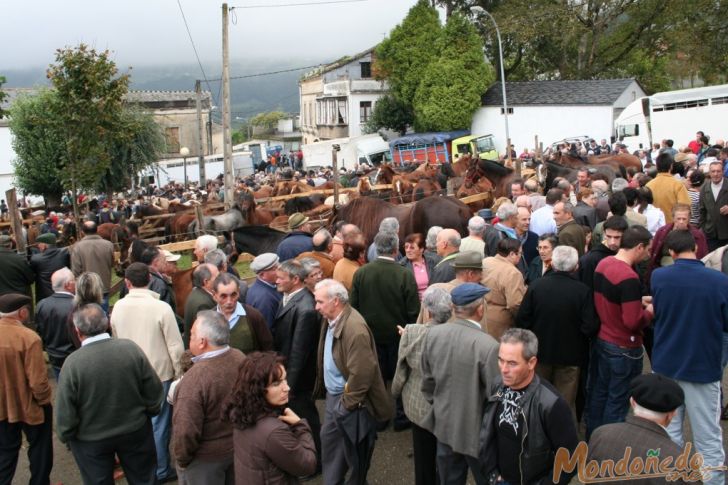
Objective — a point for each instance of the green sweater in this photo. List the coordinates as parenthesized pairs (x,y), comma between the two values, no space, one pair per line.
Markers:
(107,388)
(385,293)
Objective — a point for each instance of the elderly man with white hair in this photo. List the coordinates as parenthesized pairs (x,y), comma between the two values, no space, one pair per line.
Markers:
(559,309)
(474,241)
(51,319)
(203,245)
(388,224)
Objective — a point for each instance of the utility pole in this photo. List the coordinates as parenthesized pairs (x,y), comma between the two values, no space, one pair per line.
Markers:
(227,141)
(200,149)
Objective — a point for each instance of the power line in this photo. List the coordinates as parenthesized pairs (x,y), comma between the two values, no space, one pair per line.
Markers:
(194,48)
(297,4)
(269,73)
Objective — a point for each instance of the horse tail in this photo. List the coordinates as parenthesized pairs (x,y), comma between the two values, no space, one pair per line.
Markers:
(623,171)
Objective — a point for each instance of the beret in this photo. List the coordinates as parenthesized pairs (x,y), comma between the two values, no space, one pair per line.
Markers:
(467,293)
(11,302)
(657,393)
(263,262)
(47,238)
(486,214)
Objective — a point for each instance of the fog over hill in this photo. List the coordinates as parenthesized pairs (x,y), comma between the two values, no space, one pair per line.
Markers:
(248,96)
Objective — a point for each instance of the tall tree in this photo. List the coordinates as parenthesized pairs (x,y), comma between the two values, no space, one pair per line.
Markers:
(39,147)
(390,113)
(87,111)
(451,86)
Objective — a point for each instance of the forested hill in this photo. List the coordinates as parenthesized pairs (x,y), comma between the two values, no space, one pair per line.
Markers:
(248,96)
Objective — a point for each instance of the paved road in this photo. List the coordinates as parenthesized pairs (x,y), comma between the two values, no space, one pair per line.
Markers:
(391,464)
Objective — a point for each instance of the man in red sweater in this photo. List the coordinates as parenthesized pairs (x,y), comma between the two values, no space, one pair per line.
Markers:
(617,351)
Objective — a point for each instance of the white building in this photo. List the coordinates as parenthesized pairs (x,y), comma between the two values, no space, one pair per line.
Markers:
(338,99)
(554,110)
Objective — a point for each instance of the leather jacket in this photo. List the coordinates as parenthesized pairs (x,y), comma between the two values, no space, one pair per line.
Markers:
(44,265)
(537,453)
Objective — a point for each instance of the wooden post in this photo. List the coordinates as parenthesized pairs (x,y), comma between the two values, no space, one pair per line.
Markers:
(335,166)
(16,220)
(535,148)
(200,219)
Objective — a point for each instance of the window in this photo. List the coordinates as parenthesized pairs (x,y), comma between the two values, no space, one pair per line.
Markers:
(366,69)
(172,137)
(342,118)
(365,111)
(510,111)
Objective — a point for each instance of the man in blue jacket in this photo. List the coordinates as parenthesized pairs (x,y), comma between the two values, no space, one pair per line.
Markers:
(298,241)
(691,314)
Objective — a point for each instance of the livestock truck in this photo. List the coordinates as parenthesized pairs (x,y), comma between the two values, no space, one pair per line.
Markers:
(674,115)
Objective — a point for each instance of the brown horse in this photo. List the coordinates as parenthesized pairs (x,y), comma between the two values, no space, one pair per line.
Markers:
(252,214)
(289,187)
(619,162)
(182,286)
(176,228)
(425,187)
(368,212)
(401,187)
(264,192)
(118,235)
(498,178)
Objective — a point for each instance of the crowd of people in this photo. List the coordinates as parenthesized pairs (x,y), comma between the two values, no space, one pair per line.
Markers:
(495,350)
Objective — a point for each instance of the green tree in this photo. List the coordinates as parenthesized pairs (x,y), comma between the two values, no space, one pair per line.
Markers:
(404,55)
(3,95)
(87,111)
(38,145)
(390,113)
(268,120)
(138,144)
(451,86)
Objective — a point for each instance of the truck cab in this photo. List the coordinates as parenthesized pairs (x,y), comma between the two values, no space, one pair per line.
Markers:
(483,145)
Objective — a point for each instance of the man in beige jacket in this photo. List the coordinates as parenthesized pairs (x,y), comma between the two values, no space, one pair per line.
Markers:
(507,289)
(150,323)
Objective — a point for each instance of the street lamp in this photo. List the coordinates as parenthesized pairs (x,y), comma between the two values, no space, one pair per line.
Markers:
(184,151)
(477,11)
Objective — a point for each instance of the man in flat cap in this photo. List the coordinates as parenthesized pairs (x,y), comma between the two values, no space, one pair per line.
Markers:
(299,240)
(15,273)
(25,394)
(46,262)
(654,400)
(200,298)
(263,295)
(459,359)
(526,420)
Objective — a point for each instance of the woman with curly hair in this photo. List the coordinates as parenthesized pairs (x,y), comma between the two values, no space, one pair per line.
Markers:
(272,445)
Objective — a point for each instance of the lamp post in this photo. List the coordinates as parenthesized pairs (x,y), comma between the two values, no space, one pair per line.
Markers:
(184,151)
(478,11)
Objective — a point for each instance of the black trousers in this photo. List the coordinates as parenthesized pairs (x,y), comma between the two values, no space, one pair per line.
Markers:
(136,452)
(40,451)
(424,446)
(305,407)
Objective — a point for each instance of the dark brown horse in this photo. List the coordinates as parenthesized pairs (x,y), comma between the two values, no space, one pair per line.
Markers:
(619,162)
(498,176)
(368,212)
(119,235)
(425,187)
(182,286)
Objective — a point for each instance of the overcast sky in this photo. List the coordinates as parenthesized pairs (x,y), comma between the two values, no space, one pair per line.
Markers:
(152,32)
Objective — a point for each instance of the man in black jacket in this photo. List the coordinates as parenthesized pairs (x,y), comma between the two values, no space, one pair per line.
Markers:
(559,309)
(51,319)
(49,260)
(15,273)
(613,229)
(295,335)
(522,404)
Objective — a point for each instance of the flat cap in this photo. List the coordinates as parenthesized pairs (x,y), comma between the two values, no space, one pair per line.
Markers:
(10,302)
(486,214)
(467,260)
(47,238)
(468,293)
(657,393)
(263,262)
(296,220)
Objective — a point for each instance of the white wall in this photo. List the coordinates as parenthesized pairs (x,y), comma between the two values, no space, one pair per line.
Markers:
(550,123)
(355,128)
(7,154)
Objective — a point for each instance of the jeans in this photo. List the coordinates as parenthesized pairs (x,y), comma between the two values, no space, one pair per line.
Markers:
(725,350)
(453,467)
(702,404)
(611,370)
(105,303)
(162,427)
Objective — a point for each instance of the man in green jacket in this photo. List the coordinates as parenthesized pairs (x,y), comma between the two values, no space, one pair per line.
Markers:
(385,293)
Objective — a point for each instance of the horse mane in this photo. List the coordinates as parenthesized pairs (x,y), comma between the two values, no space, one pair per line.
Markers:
(490,166)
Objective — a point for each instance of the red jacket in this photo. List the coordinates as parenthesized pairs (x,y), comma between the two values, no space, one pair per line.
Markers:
(659,241)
